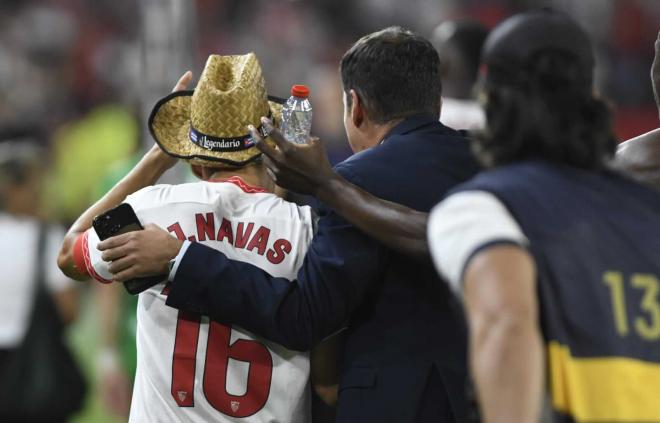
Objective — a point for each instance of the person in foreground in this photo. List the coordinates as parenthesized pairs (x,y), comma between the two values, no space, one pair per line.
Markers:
(190,368)
(405,354)
(551,251)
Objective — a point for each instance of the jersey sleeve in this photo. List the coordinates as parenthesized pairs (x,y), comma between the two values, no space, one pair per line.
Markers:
(464,224)
(87,257)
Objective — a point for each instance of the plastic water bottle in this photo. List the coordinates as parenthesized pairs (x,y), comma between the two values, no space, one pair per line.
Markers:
(297,115)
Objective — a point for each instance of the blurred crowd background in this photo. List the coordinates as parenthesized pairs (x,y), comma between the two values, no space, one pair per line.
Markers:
(85,73)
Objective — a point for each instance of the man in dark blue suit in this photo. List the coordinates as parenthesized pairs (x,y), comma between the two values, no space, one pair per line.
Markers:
(404,357)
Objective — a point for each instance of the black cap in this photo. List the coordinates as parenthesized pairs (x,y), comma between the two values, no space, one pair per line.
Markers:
(514,43)
(20,144)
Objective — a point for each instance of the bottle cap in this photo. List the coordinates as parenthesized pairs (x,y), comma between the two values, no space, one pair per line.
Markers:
(300,91)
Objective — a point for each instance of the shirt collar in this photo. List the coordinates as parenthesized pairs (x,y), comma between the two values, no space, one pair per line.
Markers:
(411,123)
(238,181)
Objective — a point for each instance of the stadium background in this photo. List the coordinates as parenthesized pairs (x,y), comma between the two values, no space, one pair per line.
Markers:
(87,72)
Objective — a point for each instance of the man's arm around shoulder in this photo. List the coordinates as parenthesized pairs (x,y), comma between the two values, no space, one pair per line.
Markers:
(340,263)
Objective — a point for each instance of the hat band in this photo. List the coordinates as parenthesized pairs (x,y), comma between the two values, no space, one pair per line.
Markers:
(224,144)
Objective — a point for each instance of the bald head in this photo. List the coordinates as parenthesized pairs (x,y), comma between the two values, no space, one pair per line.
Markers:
(640,158)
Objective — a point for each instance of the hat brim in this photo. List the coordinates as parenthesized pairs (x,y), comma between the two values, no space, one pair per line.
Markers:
(169,125)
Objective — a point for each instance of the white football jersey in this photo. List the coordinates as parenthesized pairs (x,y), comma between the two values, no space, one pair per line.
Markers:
(193,370)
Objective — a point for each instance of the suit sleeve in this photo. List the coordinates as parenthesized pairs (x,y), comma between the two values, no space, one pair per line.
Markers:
(340,265)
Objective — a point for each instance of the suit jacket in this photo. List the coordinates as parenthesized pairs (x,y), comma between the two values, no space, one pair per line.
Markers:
(405,353)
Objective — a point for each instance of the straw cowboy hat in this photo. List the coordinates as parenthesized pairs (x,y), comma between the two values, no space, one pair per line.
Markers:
(207,126)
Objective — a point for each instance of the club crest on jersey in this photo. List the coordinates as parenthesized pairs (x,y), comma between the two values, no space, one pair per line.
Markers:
(235,405)
(182,395)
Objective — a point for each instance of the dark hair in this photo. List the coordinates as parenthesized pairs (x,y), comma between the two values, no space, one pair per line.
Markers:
(26,147)
(547,112)
(469,37)
(394,72)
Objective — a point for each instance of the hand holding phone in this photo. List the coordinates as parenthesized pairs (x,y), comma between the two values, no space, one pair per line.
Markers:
(117,221)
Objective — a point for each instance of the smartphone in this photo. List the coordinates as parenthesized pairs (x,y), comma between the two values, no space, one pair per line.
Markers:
(117,221)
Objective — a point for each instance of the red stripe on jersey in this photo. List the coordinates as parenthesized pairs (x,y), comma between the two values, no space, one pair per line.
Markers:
(89,268)
(78,255)
(236,180)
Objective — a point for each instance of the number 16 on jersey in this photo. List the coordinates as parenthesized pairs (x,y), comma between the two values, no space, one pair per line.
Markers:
(218,352)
